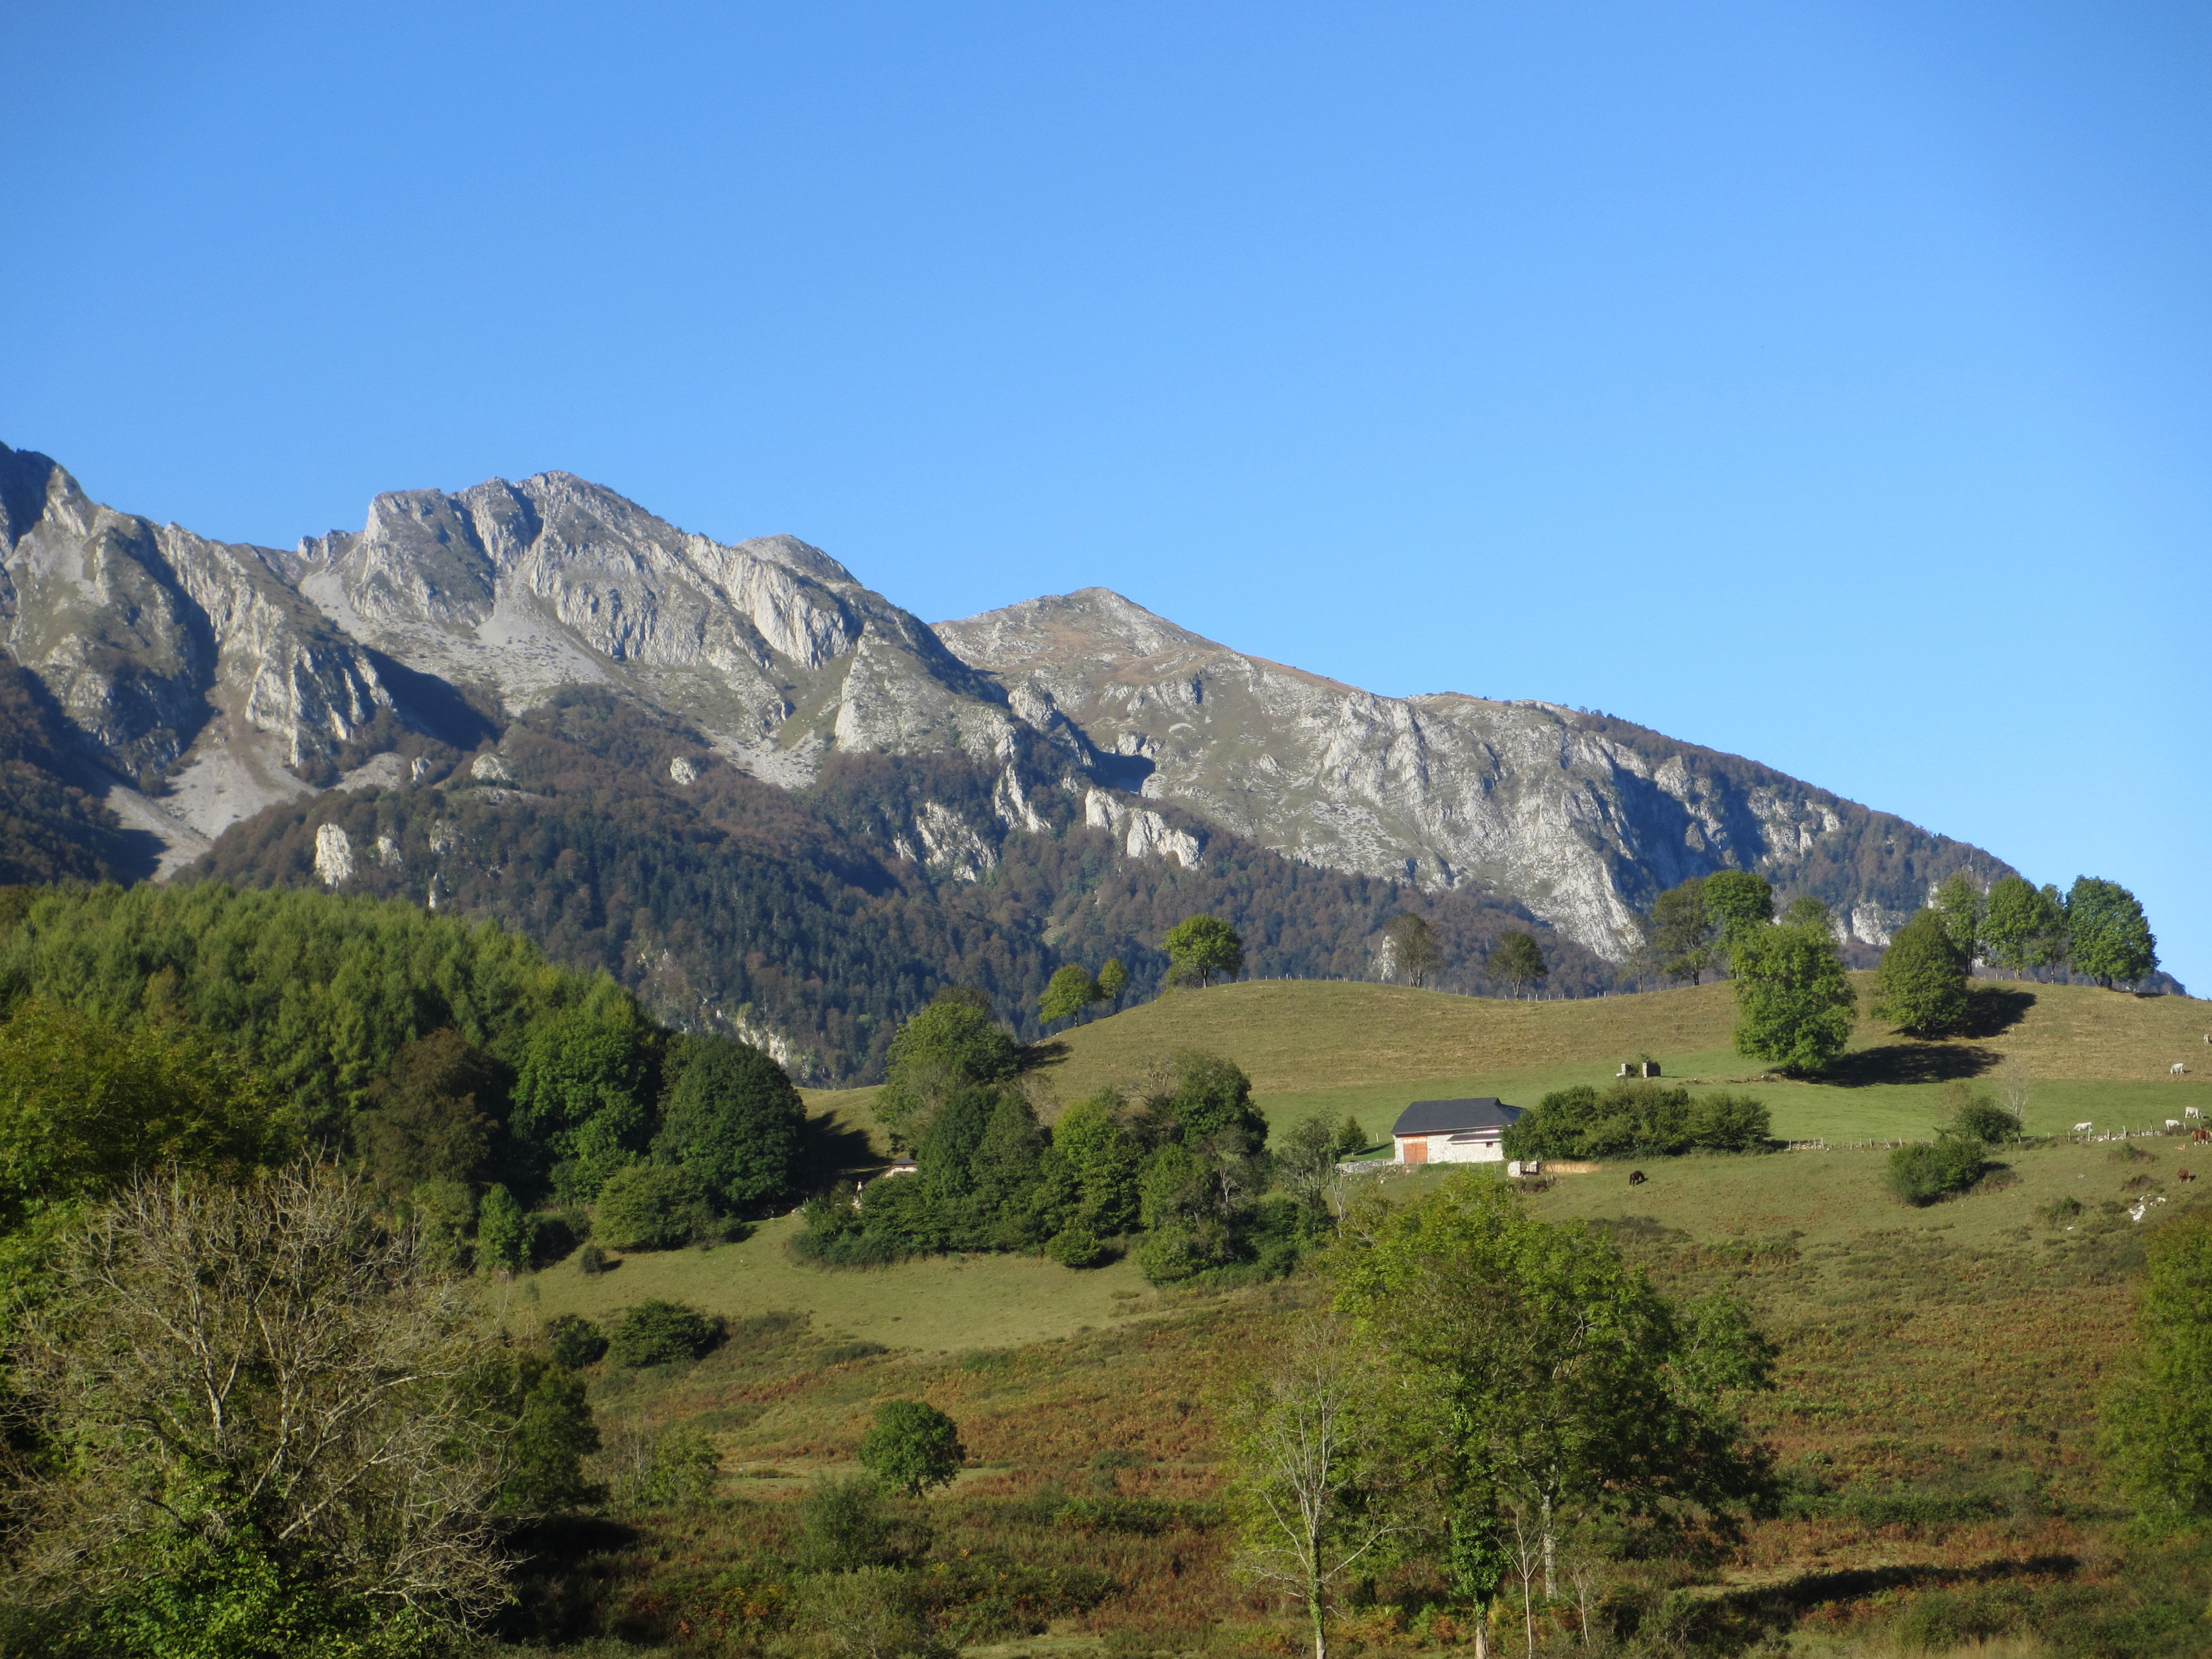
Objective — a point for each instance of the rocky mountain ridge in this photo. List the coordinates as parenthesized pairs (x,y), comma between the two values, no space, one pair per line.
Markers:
(208,681)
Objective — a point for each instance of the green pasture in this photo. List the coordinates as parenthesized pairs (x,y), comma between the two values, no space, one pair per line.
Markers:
(941,1304)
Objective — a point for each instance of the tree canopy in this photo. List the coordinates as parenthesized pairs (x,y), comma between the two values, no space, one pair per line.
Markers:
(1794,1001)
(1203,949)
(1920,984)
(2107,936)
(1516,963)
(912,1446)
(2024,927)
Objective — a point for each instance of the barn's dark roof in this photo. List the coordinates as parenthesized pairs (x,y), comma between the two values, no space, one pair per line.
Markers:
(1444,1117)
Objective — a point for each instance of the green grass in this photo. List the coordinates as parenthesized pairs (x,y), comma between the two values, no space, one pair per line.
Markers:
(1368,1049)
(941,1305)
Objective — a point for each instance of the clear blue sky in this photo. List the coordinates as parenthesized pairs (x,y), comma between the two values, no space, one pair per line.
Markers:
(1829,383)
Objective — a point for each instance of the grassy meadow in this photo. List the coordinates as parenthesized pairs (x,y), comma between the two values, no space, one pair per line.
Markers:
(1935,1420)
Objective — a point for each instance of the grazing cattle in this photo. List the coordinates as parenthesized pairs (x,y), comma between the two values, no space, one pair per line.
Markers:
(2182,1175)
(2177,1070)
(1635,1177)
(2192,1111)
(2173,1123)
(2081,1128)
(2200,1134)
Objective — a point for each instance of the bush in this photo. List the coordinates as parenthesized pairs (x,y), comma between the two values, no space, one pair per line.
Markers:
(592,1260)
(1978,1117)
(1078,1247)
(574,1342)
(681,1469)
(657,1333)
(843,1527)
(1922,1173)
(653,1206)
(1633,1118)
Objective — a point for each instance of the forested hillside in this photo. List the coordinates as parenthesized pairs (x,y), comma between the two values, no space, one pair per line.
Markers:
(823,917)
(49,828)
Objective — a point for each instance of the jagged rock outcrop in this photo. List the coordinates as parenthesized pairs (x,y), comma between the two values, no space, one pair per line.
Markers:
(241,675)
(1582,817)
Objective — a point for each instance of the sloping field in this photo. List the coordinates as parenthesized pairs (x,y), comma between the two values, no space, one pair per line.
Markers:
(1366,1049)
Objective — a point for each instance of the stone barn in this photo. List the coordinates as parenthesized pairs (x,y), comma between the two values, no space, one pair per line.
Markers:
(1453,1131)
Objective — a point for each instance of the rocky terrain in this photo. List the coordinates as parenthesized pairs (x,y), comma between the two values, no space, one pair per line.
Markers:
(206,681)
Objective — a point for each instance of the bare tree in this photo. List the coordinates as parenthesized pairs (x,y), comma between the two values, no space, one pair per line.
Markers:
(261,1365)
(1302,1450)
(2015,1088)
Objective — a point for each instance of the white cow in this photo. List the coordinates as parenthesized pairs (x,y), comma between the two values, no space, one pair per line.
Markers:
(2177,1070)
(2081,1128)
(2173,1123)
(2192,1111)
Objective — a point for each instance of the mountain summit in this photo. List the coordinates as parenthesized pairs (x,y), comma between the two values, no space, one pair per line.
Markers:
(209,681)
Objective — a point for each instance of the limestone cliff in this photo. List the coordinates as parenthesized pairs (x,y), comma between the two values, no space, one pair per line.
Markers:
(1582,817)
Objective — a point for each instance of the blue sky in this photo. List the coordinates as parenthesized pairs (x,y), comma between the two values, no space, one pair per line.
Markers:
(1828,383)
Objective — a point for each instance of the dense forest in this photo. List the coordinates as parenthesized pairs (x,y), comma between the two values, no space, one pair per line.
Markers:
(730,904)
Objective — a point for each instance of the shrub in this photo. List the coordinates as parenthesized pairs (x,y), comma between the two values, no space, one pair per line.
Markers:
(657,1333)
(1730,1123)
(653,1206)
(592,1259)
(574,1342)
(1078,1247)
(681,1469)
(2059,1212)
(1921,1174)
(844,1527)
(1978,1117)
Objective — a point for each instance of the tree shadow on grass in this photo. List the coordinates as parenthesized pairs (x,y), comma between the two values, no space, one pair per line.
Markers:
(1993,1010)
(831,1152)
(1039,1055)
(1909,1062)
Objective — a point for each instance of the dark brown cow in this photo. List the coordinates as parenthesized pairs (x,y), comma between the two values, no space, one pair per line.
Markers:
(2182,1175)
(1635,1177)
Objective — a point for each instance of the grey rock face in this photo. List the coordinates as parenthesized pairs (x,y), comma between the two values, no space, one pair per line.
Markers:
(145,635)
(1580,817)
(247,671)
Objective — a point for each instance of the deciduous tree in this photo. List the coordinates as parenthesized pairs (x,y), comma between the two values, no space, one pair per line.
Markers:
(2157,1418)
(1963,910)
(257,1389)
(1112,980)
(912,1446)
(1920,984)
(731,1116)
(1740,903)
(2024,927)
(1071,991)
(2107,936)
(1203,949)
(1415,951)
(1794,1001)
(1680,933)
(1308,1492)
(1516,963)
(1541,1375)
